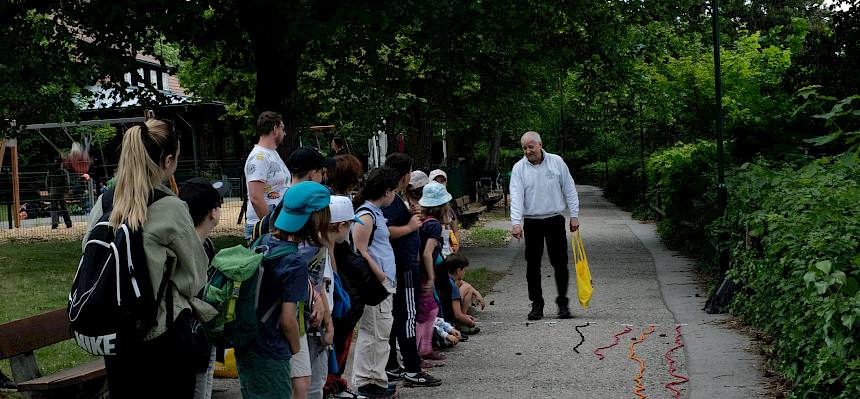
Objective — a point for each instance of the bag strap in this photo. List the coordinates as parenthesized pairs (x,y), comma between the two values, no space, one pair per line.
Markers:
(372,216)
(578,248)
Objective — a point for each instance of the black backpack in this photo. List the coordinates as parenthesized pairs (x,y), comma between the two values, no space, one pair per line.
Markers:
(359,281)
(111,302)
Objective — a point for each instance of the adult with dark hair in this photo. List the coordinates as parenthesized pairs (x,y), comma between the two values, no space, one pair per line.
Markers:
(404,226)
(59,187)
(374,327)
(266,175)
(541,190)
(338,146)
(148,157)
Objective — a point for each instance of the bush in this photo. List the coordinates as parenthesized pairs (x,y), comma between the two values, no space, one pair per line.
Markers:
(795,246)
(682,179)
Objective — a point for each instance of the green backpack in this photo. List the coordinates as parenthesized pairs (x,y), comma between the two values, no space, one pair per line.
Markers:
(235,278)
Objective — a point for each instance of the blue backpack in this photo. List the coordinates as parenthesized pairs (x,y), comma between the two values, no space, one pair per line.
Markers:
(342,303)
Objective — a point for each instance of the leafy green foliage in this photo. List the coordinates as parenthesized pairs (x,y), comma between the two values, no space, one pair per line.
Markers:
(794,236)
(683,182)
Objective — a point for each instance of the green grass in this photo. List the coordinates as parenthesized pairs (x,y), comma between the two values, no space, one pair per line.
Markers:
(36,277)
(484,237)
(3,212)
(482,279)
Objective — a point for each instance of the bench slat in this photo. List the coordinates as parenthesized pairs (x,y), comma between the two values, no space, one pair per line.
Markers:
(65,378)
(25,335)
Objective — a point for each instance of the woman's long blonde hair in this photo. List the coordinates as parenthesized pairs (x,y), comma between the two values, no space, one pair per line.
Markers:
(144,151)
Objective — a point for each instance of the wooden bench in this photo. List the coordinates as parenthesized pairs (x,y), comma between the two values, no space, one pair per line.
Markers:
(467,211)
(18,340)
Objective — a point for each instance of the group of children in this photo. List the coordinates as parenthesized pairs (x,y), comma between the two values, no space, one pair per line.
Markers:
(394,232)
(400,225)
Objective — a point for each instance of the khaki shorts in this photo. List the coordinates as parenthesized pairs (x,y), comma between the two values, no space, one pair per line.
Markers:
(300,363)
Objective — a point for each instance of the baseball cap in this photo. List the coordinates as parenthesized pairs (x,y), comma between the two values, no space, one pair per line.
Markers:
(202,196)
(305,159)
(299,202)
(438,172)
(418,179)
(435,194)
(341,210)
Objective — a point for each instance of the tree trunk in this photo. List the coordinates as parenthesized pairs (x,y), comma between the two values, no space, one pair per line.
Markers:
(492,164)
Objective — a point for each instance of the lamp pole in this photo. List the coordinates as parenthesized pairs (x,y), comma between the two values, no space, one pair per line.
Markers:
(722,198)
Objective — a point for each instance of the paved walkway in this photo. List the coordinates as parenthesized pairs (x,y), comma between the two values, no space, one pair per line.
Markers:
(638,283)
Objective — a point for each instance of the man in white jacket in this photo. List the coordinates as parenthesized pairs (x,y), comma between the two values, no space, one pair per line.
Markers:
(542,189)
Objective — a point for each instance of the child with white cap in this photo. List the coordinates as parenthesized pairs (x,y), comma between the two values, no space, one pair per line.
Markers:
(450,233)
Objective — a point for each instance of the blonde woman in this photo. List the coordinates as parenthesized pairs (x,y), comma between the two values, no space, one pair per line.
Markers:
(165,362)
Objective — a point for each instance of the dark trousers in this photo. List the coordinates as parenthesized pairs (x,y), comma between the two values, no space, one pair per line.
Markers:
(343,331)
(405,325)
(163,367)
(553,231)
(58,207)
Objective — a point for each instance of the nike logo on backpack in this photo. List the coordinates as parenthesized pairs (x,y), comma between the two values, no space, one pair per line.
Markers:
(102,345)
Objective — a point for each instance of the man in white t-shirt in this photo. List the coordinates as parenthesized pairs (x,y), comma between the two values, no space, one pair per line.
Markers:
(266,175)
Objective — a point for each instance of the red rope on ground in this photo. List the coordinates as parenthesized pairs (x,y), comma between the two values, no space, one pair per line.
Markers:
(672,369)
(638,378)
(598,351)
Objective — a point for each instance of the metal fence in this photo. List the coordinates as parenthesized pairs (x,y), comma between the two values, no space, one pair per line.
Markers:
(38,206)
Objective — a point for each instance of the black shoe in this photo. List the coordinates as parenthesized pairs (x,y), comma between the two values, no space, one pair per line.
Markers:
(537,311)
(563,308)
(564,312)
(54,227)
(421,379)
(395,374)
(376,391)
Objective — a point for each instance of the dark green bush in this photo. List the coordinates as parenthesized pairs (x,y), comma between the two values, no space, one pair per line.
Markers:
(682,180)
(795,247)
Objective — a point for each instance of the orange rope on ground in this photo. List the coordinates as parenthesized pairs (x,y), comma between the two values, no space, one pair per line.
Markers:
(638,378)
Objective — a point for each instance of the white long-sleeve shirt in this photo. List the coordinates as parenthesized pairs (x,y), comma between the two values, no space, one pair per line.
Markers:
(543,190)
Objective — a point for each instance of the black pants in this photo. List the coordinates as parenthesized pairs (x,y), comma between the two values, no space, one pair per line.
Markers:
(553,231)
(164,367)
(58,207)
(403,330)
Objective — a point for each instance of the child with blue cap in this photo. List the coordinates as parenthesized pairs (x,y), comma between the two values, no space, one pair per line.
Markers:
(263,365)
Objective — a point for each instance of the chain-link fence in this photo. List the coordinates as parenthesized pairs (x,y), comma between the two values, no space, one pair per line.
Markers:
(55,204)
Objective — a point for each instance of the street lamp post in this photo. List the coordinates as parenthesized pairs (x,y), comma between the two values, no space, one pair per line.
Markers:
(722,198)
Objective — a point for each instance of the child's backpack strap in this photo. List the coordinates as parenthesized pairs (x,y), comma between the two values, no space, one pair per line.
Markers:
(369,212)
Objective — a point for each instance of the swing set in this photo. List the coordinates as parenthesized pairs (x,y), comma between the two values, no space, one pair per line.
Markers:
(78,158)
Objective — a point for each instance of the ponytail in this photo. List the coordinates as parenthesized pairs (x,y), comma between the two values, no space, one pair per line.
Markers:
(145,147)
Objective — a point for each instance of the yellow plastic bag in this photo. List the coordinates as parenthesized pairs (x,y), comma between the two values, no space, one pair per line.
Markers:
(455,243)
(228,368)
(583,275)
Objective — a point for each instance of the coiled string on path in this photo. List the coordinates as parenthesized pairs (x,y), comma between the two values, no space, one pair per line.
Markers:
(638,378)
(581,337)
(672,369)
(599,351)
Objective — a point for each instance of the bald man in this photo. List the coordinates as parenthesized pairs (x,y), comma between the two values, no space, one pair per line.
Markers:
(542,194)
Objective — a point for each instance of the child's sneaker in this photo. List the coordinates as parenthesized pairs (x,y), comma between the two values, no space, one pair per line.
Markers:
(428,364)
(374,391)
(395,374)
(421,379)
(469,330)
